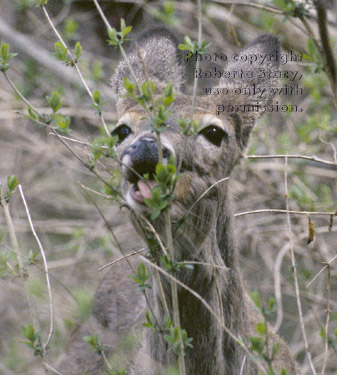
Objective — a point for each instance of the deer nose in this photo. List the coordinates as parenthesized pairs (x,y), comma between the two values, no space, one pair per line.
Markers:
(143,156)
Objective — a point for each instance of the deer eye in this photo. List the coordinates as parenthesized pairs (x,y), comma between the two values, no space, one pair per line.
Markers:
(122,131)
(213,134)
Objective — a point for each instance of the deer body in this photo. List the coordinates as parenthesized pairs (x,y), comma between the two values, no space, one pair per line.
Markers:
(207,236)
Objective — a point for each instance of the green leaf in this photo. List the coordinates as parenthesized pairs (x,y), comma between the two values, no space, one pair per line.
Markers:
(149,321)
(12,183)
(78,50)
(32,114)
(276,349)
(126,31)
(4,50)
(112,35)
(141,271)
(54,101)
(60,51)
(188,40)
(272,304)
(141,277)
(168,101)
(5,56)
(169,89)
(255,296)
(29,333)
(129,86)
(261,328)
(63,122)
(183,47)
(97,97)
(155,214)
(257,344)
(93,342)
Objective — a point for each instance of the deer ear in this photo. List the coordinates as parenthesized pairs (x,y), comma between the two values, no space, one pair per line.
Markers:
(163,61)
(250,93)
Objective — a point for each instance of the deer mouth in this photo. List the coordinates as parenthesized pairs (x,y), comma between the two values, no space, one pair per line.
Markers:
(141,190)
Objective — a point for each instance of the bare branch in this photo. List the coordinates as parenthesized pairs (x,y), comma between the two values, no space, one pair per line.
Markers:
(121,258)
(51,309)
(328,264)
(276,211)
(312,158)
(250,4)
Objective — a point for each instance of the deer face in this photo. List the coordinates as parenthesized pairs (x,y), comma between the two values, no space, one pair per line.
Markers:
(207,155)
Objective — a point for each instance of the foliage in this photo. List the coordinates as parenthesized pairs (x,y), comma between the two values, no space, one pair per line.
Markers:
(33,339)
(5,56)
(141,277)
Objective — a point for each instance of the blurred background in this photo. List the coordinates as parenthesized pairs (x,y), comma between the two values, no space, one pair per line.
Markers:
(73,233)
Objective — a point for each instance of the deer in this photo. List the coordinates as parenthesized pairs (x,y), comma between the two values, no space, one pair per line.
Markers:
(207,235)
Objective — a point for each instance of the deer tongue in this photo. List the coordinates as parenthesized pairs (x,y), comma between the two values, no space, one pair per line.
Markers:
(145,188)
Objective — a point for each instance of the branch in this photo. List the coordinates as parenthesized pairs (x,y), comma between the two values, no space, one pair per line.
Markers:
(51,309)
(277,211)
(250,4)
(312,158)
(328,264)
(121,258)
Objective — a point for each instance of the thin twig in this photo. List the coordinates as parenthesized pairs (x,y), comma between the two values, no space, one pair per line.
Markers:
(312,158)
(277,211)
(18,92)
(250,4)
(243,364)
(293,261)
(51,309)
(106,361)
(51,368)
(121,258)
(95,192)
(328,264)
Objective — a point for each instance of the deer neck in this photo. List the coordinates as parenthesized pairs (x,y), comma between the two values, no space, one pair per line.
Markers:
(218,282)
